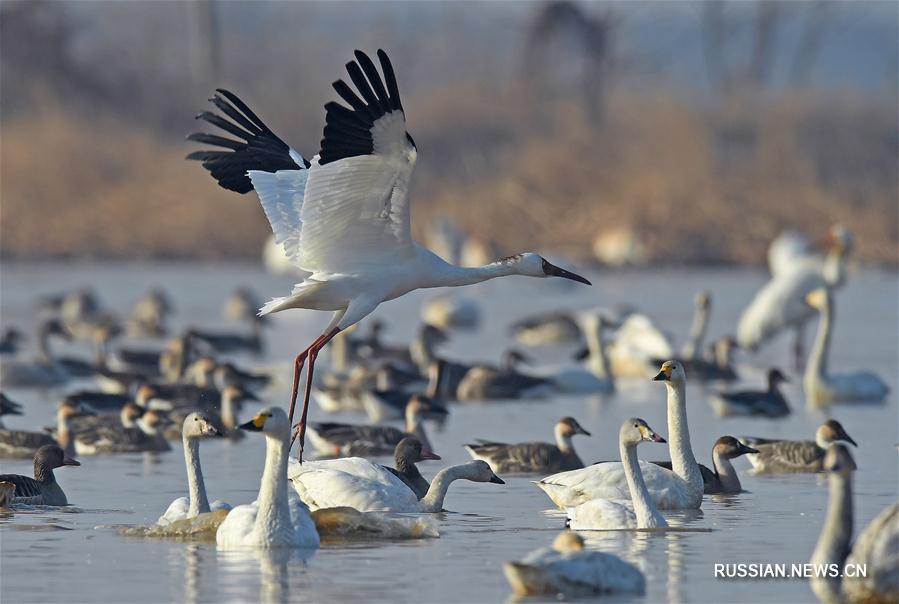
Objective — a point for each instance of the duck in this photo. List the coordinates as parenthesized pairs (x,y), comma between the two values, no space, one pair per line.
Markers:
(146,436)
(10,340)
(334,438)
(875,548)
(43,488)
(43,371)
(640,512)
(597,377)
(822,388)
(23,443)
(788,456)
(567,570)
(680,488)
(408,452)
(755,403)
(533,457)
(360,484)
(196,426)
(278,518)
(724,479)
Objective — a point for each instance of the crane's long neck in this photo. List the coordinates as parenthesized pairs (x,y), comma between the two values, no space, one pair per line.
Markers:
(682,460)
(433,499)
(697,333)
(460,275)
(644,508)
(273,516)
(816,368)
(199,504)
(727,474)
(834,541)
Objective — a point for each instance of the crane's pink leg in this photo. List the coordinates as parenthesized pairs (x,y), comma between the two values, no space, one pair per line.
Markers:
(300,428)
(297,369)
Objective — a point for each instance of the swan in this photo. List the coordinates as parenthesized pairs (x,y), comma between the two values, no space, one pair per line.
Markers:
(533,457)
(877,547)
(640,512)
(693,345)
(780,303)
(567,569)
(44,371)
(681,488)
(334,438)
(196,426)
(43,488)
(787,249)
(597,377)
(636,346)
(758,403)
(821,388)
(357,483)
(784,456)
(275,519)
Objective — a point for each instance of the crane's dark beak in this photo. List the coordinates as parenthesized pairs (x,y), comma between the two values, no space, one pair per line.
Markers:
(551,270)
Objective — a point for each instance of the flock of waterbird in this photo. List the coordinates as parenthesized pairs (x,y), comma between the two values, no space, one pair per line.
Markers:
(343,219)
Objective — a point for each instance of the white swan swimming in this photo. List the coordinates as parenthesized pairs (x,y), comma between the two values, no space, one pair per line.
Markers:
(599,514)
(877,547)
(822,388)
(680,488)
(196,426)
(596,377)
(567,569)
(636,345)
(275,519)
(358,483)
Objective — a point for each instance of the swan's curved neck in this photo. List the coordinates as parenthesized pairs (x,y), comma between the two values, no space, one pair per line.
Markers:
(433,499)
(598,360)
(199,504)
(682,460)
(816,368)
(698,328)
(834,542)
(726,473)
(273,517)
(644,508)
(563,439)
(228,418)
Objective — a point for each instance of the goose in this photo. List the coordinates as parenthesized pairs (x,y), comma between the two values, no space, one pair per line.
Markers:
(358,483)
(410,451)
(344,217)
(43,488)
(641,513)
(224,414)
(780,304)
(785,456)
(680,488)
(149,314)
(724,478)
(22,443)
(99,334)
(126,418)
(8,407)
(822,388)
(146,436)
(277,518)
(487,382)
(877,546)
(758,403)
(7,493)
(533,457)
(10,340)
(333,438)
(597,378)
(568,570)
(390,403)
(44,371)
(546,329)
(693,345)
(196,426)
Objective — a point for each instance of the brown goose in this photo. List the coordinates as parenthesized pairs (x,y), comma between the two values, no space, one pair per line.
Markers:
(784,456)
(24,443)
(408,452)
(43,488)
(535,457)
(724,478)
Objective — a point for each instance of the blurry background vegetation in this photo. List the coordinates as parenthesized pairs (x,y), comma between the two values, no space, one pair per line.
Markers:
(700,129)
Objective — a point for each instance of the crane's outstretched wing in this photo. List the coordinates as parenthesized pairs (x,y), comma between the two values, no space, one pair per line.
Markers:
(260,160)
(356,207)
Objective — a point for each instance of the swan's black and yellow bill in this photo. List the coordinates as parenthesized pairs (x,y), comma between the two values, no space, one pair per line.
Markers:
(255,424)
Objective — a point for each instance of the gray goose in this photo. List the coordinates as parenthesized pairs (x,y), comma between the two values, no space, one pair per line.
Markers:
(24,443)
(759,403)
(784,456)
(146,436)
(408,452)
(43,488)
(724,478)
(42,372)
(534,457)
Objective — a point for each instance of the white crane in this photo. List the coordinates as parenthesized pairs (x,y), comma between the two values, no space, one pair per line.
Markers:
(344,217)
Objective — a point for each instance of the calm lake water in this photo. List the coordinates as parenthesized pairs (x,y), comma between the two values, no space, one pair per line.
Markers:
(67,555)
